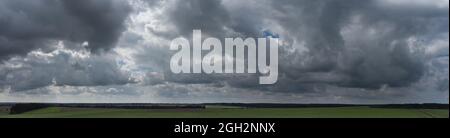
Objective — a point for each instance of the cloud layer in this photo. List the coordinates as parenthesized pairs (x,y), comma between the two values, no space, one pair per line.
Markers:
(331,50)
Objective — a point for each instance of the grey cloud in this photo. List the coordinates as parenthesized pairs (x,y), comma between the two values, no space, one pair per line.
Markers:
(29,25)
(60,68)
(209,16)
(359,59)
(341,51)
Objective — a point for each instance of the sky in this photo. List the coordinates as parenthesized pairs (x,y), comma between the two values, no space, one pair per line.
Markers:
(331,51)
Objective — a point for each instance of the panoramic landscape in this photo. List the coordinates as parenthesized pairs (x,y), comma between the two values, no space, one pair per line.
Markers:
(224,67)
(360,56)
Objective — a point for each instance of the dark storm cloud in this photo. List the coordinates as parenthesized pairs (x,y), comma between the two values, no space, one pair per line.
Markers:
(28,25)
(349,43)
(358,58)
(49,36)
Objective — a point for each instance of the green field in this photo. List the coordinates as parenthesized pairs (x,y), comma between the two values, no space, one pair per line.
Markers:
(233,112)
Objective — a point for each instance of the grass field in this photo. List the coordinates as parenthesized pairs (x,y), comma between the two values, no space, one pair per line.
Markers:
(233,112)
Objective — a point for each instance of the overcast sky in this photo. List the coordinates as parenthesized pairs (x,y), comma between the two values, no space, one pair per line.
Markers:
(331,51)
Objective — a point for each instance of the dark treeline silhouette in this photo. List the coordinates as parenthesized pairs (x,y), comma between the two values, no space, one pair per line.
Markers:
(276,105)
(413,106)
(21,108)
(18,108)
(279,105)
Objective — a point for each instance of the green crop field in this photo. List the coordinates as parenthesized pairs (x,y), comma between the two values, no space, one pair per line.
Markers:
(233,112)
